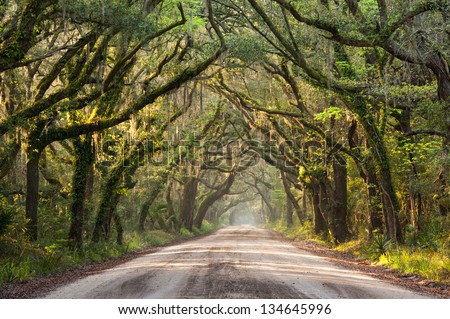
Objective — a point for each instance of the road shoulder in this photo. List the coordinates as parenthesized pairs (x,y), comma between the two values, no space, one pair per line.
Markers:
(348,261)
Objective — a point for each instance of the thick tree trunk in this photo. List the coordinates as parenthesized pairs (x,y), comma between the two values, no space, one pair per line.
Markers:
(291,202)
(443,180)
(170,208)
(119,229)
(110,214)
(324,204)
(289,212)
(32,200)
(124,167)
(84,158)
(367,171)
(339,209)
(375,209)
(379,153)
(390,207)
(104,212)
(146,206)
(440,68)
(320,223)
(212,198)
(188,202)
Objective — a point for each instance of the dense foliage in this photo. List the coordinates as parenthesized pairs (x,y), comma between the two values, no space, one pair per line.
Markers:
(125,121)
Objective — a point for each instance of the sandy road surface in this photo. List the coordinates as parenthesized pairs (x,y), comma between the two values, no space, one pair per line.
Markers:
(235,262)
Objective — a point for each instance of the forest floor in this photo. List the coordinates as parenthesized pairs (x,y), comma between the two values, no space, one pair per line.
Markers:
(235,262)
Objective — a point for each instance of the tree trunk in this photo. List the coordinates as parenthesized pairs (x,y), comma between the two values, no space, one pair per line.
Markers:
(265,200)
(146,206)
(291,198)
(84,158)
(110,214)
(440,68)
(109,191)
(212,198)
(443,206)
(170,209)
(375,209)
(379,153)
(324,204)
(339,210)
(320,223)
(188,202)
(119,229)
(289,212)
(32,200)
(123,167)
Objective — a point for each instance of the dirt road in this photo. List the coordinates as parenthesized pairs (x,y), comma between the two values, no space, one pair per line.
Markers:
(235,262)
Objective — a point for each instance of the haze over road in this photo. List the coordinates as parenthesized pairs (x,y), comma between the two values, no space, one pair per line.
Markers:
(235,262)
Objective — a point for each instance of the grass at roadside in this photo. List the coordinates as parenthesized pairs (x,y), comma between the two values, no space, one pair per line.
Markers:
(426,254)
(23,261)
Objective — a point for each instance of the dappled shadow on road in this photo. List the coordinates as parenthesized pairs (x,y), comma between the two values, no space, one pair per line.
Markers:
(235,262)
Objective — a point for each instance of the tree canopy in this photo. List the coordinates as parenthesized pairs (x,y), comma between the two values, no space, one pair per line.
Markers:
(128,116)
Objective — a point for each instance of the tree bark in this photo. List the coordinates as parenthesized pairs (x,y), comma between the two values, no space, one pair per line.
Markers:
(125,166)
(374,204)
(109,192)
(146,206)
(319,220)
(289,212)
(378,150)
(339,209)
(291,198)
(84,158)
(32,200)
(188,202)
(119,229)
(212,198)
(265,199)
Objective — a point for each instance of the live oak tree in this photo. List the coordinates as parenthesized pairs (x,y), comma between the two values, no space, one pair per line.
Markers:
(346,101)
(74,73)
(342,32)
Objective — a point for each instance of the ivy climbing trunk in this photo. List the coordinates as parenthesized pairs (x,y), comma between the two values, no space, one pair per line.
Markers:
(146,206)
(109,191)
(84,159)
(123,169)
(378,150)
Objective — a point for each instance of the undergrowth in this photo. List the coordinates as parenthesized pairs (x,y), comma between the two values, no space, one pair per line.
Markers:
(425,253)
(304,231)
(21,260)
